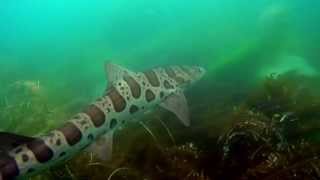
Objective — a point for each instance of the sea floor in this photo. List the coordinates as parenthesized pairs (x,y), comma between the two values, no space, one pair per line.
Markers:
(268,131)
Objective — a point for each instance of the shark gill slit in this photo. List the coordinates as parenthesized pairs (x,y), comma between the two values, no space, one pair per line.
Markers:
(172,74)
(179,78)
(186,70)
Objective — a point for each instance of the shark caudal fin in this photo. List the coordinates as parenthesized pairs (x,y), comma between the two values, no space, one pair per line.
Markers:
(177,103)
(10,141)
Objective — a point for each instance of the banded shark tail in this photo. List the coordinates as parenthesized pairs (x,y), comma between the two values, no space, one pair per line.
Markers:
(128,96)
(9,142)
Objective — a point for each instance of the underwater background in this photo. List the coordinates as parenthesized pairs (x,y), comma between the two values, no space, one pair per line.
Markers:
(262,83)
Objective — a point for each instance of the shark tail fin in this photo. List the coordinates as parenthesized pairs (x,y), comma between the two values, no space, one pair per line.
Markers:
(10,140)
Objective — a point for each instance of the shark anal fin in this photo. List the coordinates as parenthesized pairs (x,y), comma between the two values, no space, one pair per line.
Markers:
(102,148)
(9,140)
(177,103)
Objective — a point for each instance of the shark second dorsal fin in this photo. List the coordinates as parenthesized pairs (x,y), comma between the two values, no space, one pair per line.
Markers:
(115,72)
(102,148)
(177,103)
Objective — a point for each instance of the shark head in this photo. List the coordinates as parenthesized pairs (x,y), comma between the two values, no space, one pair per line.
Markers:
(197,72)
(186,75)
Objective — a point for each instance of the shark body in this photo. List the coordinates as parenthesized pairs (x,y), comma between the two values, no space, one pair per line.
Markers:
(128,95)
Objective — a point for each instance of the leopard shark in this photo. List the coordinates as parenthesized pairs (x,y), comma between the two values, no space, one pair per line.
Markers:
(128,95)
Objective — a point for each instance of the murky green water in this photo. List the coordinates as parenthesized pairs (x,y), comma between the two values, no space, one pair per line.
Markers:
(53,52)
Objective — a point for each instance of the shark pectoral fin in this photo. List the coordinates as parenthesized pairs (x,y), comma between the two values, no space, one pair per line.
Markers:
(102,148)
(177,103)
(115,72)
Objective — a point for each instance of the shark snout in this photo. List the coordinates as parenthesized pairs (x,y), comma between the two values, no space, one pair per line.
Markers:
(200,72)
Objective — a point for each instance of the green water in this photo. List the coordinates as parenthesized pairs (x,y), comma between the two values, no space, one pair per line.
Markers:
(53,52)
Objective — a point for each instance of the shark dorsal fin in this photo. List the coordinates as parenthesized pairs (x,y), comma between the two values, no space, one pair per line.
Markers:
(102,148)
(177,103)
(9,140)
(115,72)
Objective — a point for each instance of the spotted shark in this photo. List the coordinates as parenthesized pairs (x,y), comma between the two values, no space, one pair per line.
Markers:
(128,95)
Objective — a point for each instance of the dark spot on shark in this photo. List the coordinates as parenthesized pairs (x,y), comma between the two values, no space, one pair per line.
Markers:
(113,123)
(90,137)
(161,94)
(71,132)
(31,170)
(170,72)
(150,96)
(83,122)
(51,135)
(58,142)
(133,85)
(51,140)
(8,167)
(152,78)
(180,80)
(133,109)
(119,103)
(96,115)
(167,85)
(41,151)
(62,154)
(19,150)
(25,158)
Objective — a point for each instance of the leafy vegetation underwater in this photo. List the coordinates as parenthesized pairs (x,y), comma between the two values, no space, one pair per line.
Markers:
(255,115)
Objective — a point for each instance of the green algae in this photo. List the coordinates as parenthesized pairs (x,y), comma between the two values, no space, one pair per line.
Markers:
(196,152)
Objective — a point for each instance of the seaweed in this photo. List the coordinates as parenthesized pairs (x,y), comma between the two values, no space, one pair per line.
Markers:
(271,133)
